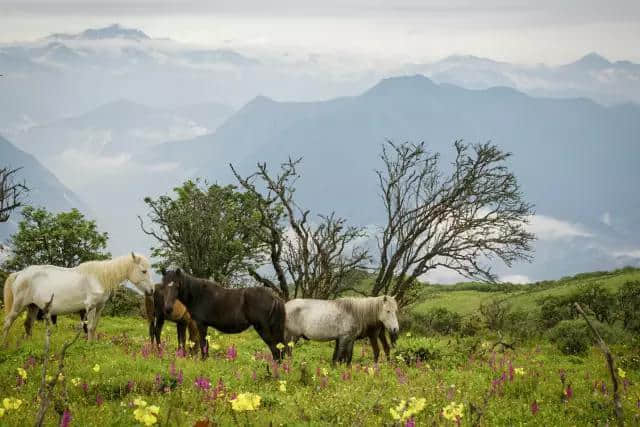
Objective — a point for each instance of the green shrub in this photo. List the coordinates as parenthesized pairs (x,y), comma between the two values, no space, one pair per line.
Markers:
(471,325)
(571,336)
(411,350)
(494,313)
(443,321)
(123,302)
(553,310)
(628,302)
(522,324)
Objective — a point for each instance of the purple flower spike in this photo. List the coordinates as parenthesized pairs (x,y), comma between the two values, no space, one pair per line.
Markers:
(66,418)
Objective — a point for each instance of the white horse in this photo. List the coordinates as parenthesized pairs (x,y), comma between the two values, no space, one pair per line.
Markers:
(87,286)
(343,320)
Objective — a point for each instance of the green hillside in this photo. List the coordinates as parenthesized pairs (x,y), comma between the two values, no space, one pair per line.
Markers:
(466,298)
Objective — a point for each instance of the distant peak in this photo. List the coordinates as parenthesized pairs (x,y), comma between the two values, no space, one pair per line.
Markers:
(114,31)
(593,60)
(402,83)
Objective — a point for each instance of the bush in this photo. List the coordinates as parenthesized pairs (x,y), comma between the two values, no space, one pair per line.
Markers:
(443,321)
(628,301)
(571,337)
(522,324)
(471,325)
(494,313)
(123,302)
(412,350)
(553,310)
(599,300)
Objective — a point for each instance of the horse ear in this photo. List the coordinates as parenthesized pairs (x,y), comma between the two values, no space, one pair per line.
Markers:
(384,299)
(178,271)
(135,258)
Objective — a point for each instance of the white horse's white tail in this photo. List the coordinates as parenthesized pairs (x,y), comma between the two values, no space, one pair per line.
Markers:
(8,292)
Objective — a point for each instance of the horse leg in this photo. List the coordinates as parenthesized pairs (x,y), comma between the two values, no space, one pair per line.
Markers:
(265,333)
(385,344)
(337,351)
(348,351)
(159,324)
(181,328)
(83,319)
(16,309)
(373,338)
(204,346)
(92,322)
(32,312)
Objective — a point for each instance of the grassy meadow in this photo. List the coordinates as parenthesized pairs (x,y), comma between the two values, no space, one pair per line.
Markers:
(452,378)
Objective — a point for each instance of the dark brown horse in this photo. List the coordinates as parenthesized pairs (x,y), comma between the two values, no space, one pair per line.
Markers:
(375,333)
(228,310)
(154,305)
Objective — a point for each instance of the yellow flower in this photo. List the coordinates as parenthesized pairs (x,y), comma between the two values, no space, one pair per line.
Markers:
(245,402)
(325,372)
(48,378)
(519,371)
(406,410)
(22,373)
(371,371)
(96,368)
(283,386)
(76,381)
(408,334)
(147,415)
(1,412)
(11,403)
(453,412)
(60,377)
(290,344)
(399,358)
(280,346)
(621,373)
(215,346)
(191,344)
(140,403)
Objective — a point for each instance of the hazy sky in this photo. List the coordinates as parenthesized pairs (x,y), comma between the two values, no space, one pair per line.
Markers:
(548,31)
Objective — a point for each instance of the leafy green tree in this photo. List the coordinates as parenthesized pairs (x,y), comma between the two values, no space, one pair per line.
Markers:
(65,239)
(628,298)
(209,230)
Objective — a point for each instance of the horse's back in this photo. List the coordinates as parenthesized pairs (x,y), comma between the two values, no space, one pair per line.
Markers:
(319,320)
(36,284)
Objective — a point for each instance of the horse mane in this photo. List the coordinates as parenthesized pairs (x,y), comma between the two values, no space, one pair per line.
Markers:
(365,310)
(110,272)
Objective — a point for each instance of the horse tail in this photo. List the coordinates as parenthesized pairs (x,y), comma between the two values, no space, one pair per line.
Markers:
(8,292)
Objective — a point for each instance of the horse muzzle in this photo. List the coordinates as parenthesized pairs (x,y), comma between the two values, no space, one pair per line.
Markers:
(393,334)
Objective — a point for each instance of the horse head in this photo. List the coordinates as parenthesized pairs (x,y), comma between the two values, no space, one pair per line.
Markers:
(171,282)
(140,274)
(388,316)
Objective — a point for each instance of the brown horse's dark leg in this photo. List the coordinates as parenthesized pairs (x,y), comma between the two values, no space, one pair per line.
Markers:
(265,333)
(157,330)
(204,347)
(385,345)
(373,339)
(83,318)
(32,312)
(336,352)
(181,327)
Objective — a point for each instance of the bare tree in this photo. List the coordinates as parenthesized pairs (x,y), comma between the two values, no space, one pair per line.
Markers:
(458,221)
(316,258)
(11,193)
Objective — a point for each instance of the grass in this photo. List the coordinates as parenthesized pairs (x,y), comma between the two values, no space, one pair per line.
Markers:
(462,370)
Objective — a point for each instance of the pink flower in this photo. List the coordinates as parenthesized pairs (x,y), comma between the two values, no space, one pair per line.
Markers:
(346,376)
(130,385)
(410,423)
(66,418)
(232,353)
(203,383)
(99,400)
(568,392)
(534,407)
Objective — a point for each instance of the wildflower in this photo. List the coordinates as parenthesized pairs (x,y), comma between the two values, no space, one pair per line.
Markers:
(99,400)
(283,386)
(519,371)
(290,344)
(406,410)
(1,412)
(22,373)
(280,346)
(410,423)
(621,373)
(215,346)
(534,407)
(140,403)
(48,378)
(66,418)
(191,344)
(399,358)
(147,415)
(11,403)
(96,368)
(568,392)
(453,412)
(75,381)
(232,353)
(203,383)
(245,402)
(408,334)
(325,372)
(60,377)
(370,370)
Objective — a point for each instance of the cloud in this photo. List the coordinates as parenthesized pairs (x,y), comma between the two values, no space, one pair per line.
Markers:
(632,253)
(606,218)
(549,228)
(515,278)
